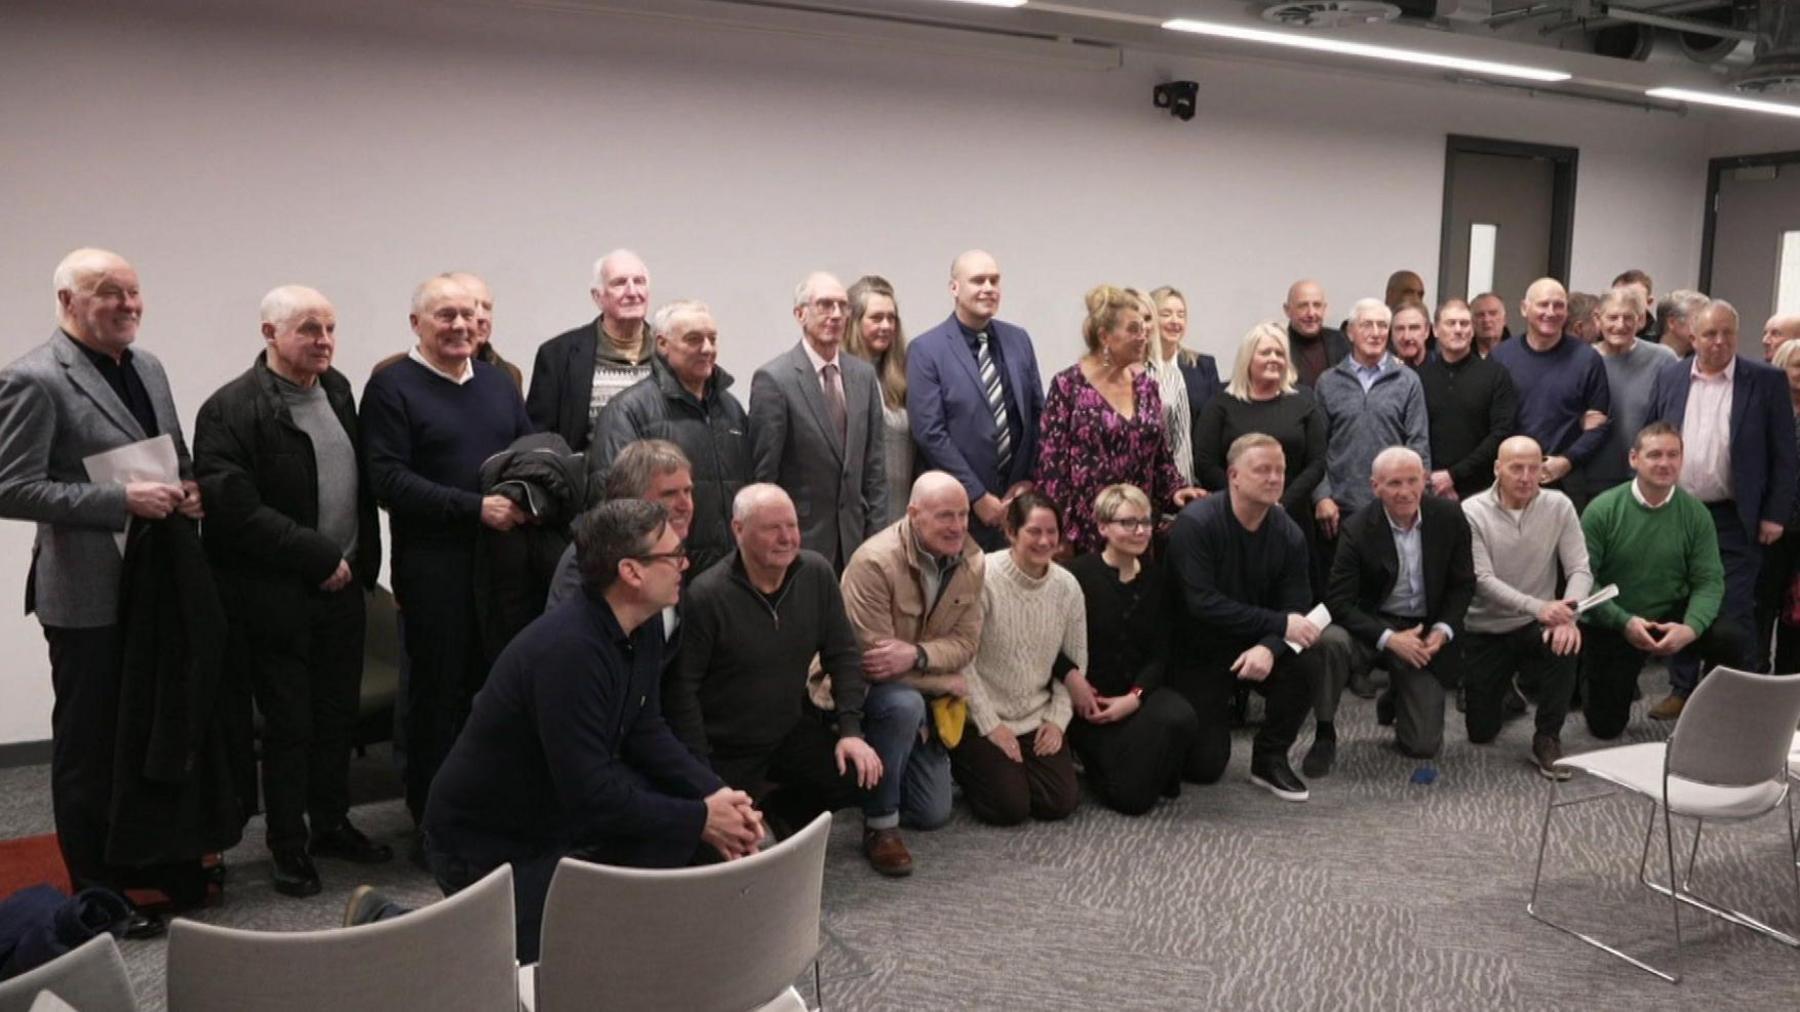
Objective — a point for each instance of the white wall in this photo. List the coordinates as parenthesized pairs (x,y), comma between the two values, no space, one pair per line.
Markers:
(360,150)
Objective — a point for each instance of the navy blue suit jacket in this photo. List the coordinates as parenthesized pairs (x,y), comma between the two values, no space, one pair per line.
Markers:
(1763,465)
(948,407)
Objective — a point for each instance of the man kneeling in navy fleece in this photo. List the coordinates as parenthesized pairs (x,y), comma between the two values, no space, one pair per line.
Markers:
(566,752)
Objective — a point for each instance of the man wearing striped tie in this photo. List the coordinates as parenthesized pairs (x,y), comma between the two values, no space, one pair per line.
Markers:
(974,397)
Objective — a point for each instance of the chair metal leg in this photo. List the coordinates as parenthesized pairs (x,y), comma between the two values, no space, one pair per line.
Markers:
(1531,907)
(1685,892)
(818,988)
(1675,907)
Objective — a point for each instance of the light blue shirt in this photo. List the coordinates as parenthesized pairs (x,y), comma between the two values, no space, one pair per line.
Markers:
(1368,374)
(1408,596)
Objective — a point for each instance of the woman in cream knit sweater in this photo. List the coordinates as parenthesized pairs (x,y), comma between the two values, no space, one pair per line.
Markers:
(1017,764)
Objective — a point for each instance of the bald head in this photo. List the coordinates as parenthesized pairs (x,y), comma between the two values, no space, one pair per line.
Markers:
(98,301)
(1305,307)
(1520,446)
(1778,331)
(938,513)
(975,287)
(1404,287)
(1517,470)
(1546,311)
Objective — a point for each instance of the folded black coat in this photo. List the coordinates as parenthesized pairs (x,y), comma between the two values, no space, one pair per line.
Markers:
(183,738)
(513,569)
(39,924)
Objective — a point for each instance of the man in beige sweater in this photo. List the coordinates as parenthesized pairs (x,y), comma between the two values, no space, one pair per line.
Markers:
(913,593)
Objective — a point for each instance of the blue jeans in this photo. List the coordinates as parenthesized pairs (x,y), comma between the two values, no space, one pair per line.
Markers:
(915,777)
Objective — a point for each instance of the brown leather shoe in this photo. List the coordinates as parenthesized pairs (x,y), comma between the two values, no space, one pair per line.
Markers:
(1669,708)
(887,853)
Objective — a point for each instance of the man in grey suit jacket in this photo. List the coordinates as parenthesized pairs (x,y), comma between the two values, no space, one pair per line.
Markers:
(85,391)
(815,414)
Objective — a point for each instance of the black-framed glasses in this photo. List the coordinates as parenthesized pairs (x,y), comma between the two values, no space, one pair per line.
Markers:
(1133,523)
(679,557)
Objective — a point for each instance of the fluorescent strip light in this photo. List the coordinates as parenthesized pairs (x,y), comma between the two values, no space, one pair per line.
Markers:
(1327,45)
(990,3)
(1725,101)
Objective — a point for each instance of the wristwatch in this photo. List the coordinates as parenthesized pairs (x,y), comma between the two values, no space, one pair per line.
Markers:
(920,661)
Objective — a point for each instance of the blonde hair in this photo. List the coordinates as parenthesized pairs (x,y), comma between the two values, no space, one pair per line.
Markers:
(1786,353)
(1105,305)
(1113,497)
(890,365)
(1239,386)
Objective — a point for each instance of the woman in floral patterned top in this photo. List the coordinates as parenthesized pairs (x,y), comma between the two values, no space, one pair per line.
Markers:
(1103,421)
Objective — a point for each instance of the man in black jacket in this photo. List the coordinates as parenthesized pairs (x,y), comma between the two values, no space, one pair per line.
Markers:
(1470,404)
(1400,586)
(292,534)
(738,692)
(578,371)
(687,400)
(1312,346)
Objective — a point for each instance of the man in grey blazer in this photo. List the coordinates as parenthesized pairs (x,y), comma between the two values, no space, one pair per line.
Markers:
(815,415)
(85,391)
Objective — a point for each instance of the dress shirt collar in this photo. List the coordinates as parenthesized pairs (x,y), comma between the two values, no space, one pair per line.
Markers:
(468,367)
(1409,528)
(818,364)
(1722,376)
(1637,492)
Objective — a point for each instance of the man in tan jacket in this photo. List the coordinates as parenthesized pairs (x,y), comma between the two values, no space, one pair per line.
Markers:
(913,593)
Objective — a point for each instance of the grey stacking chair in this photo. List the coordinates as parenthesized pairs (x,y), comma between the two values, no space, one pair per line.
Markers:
(90,977)
(1726,761)
(726,937)
(456,955)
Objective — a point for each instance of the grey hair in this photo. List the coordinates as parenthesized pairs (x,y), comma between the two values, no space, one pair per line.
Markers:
(1721,305)
(284,303)
(751,498)
(1680,304)
(600,264)
(666,315)
(803,291)
(639,463)
(1370,307)
(1626,295)
(612,532)
(1394,455)
(80,265)
(431,286)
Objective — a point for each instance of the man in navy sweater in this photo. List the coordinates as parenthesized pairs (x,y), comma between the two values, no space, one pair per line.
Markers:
(566,752)
(428,423)
(1564,398)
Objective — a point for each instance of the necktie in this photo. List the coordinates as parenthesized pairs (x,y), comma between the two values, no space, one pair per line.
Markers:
(996,398)
(834,401)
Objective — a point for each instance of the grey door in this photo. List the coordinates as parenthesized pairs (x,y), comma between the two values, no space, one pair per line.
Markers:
(1757,207)
(1515,195)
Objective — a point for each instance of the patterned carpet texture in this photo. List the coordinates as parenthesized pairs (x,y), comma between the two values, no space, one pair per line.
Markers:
(1377,894)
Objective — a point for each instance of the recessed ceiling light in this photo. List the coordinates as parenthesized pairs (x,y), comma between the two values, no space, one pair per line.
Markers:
(1363,49)
(1726,101)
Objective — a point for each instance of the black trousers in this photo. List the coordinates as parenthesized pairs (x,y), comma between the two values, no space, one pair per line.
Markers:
(1777,572)
(1001,792)
(1209,687)
(1489,661)
(434,584)
(1611,667)
(1129,763)
(85,668)
(796,779)
(308,683)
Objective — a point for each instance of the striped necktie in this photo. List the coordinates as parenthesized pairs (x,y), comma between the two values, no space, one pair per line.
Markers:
(996,398)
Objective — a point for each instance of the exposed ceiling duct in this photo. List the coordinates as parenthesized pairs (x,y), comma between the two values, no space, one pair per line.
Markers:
(1329,13)
(1777,64)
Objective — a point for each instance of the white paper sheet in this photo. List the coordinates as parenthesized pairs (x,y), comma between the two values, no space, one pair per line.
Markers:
(1319,616)
(151,459)
(1597,598)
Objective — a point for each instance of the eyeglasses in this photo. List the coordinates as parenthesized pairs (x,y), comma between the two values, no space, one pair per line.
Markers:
(828,307)
(679,557)
(1133,523)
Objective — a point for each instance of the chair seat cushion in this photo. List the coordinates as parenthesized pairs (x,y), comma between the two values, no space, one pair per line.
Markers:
(1639,768)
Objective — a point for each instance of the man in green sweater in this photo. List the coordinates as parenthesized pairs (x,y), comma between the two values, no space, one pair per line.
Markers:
(1658,544)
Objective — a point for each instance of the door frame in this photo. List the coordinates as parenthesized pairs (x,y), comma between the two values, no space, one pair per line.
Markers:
(1565,164)
(1715,174)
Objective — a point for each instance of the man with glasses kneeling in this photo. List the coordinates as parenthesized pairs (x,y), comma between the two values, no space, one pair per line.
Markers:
(566,752)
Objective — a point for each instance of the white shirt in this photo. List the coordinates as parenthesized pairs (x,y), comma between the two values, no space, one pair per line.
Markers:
(819,364)
(1706,435)
(468,372)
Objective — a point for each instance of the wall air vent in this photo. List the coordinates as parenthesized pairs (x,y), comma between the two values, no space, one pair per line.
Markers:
(1330,13)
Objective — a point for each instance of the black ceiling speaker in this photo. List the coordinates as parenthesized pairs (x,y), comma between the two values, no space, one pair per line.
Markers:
(1178,97)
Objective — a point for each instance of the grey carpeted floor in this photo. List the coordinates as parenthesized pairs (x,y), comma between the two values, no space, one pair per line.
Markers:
(1376,894)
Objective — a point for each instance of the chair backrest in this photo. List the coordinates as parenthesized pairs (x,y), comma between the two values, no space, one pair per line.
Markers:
(91,977)
(1736,729)
(456,954)
(720,938)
